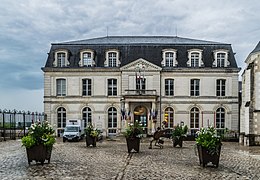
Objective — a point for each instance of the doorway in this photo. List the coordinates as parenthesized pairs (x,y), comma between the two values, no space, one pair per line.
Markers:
(140,114)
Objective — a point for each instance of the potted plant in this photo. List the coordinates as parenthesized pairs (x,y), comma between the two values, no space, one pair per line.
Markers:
(209,146)
(39,142)
(178,134)
(91,135)
(133,134)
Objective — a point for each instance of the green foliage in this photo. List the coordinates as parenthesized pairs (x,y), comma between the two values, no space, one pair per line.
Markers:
(180,131)
(28,141)
(133,130)
(208,138)
(39,133)
(90,131)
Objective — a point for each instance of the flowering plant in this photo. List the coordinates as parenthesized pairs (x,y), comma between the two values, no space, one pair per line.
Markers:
(90,131)
(208,138)
(134,130)
(180,131)
(39,133)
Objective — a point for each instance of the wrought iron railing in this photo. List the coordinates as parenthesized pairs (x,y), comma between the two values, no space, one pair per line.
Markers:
(140,92)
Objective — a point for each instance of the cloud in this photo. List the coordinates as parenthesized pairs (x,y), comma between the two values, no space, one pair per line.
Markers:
(29,27)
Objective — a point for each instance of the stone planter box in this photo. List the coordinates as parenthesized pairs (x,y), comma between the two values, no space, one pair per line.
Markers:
(177,141)
(90,140)
(205,157)
(133,144)
(39,153)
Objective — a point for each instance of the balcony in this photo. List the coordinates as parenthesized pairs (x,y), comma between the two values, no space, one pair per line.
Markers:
(139,92)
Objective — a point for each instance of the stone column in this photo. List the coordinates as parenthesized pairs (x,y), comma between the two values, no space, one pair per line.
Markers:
(153,123)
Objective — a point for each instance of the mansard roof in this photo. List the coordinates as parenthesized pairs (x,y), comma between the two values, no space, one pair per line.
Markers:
(132,48)
(126,40)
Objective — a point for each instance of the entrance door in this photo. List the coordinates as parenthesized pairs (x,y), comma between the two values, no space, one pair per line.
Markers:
(140,114)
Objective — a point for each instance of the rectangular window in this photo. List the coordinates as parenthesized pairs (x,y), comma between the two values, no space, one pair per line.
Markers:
(87,59)
(221,59)
(86,87)
(140,83)
(61,59)
(112,87)
(169,59)
(195,87)
(112,59)
(169,87)
(221,87)
(61,87)
(194,59)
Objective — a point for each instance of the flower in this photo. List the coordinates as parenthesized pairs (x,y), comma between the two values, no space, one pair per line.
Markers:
(90,131)
(180,131)
(39,133)
(134,130)
(208,138)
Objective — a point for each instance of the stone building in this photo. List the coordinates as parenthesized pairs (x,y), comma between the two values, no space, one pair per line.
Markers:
(111,81)
(250,107)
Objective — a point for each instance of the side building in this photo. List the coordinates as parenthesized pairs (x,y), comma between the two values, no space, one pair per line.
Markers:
(250,107)
(157,80)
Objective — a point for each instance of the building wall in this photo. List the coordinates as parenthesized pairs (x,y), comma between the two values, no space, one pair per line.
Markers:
(181,102)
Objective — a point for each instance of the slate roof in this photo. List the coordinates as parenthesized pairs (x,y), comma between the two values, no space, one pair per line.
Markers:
(257,48)
(132,48)
(139,40)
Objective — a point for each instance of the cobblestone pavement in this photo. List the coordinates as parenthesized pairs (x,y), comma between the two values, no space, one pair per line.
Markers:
(110,160)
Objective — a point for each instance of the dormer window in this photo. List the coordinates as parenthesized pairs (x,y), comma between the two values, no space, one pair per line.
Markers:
(195,58)
(61,58)
(87,58)
(169,58)
(221,58)
(112,58)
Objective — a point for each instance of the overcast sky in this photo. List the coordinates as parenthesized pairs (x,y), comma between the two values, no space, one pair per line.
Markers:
(28,27)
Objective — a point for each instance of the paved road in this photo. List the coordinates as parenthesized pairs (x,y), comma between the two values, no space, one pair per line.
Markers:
(110,160)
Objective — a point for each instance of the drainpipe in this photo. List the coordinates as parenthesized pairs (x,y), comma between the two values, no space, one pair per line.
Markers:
(160,99)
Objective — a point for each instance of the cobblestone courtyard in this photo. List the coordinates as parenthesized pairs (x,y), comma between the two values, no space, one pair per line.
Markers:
(110,160)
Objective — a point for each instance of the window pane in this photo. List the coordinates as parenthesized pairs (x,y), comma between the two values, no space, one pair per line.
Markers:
(87,59)
(86,87)
(194,59)
(61,59)
(112,87)
(61,87)
(112,59)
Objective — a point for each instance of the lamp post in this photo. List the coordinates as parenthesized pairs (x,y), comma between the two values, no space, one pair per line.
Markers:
(4,111)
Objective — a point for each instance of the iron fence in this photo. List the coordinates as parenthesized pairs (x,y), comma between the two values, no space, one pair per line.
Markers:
(15,123)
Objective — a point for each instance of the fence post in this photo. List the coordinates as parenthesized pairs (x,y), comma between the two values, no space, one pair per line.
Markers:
(23,123)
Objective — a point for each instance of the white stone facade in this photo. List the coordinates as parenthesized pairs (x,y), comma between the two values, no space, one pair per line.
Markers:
(148,105)
(250,106)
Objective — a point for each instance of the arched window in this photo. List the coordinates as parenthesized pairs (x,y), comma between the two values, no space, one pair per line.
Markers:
(194,118)
(169,113)
(61,116)
(112,120)
(220,118)
(87,116)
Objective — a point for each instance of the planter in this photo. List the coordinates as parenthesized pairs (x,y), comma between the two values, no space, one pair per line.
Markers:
(205,157)
(177,141)
(133,144)
(90,140)
(39,153)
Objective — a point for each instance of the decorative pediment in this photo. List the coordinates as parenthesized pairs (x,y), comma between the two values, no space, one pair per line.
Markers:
(140,63)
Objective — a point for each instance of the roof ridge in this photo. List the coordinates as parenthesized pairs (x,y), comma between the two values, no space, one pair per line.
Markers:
(153,39)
